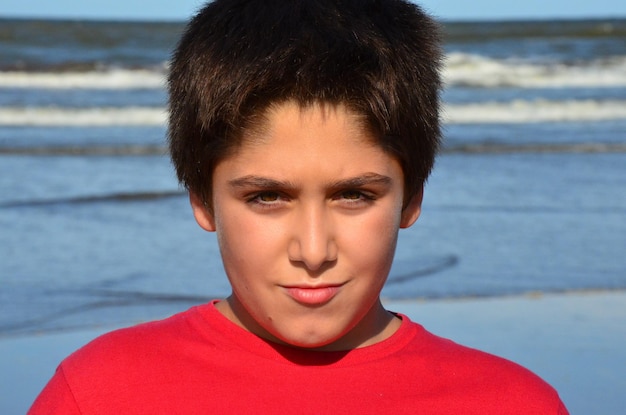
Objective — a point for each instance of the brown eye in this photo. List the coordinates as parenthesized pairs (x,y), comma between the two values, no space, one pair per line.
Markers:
(268,197)
(352,195)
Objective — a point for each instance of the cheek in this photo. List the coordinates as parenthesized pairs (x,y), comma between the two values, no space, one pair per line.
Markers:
(373,240)
(231,238)
(246,241)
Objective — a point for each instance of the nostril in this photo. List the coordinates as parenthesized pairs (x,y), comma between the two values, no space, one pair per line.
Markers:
(312,254)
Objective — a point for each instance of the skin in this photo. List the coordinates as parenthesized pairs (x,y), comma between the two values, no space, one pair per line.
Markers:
(307,213)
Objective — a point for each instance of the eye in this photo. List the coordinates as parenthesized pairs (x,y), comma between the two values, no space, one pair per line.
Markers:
(353,197)
(266,199)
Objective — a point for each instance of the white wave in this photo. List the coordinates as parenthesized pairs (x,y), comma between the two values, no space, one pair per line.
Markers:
(97,117)
(460,69)
(477,113)
(111,79)
(483,72)
(534,112)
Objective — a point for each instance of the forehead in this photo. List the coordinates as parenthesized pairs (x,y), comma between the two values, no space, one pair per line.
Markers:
(280,117)
(290,137)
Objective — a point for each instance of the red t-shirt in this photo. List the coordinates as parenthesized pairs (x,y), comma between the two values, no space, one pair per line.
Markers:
(198,362)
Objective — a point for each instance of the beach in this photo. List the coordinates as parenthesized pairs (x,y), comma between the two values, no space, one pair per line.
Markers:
(519,249)
(575,341)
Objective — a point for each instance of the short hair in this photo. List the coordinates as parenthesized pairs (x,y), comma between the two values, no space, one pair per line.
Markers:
(236,58)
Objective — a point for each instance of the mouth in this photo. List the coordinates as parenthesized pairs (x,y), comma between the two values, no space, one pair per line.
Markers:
(313,295)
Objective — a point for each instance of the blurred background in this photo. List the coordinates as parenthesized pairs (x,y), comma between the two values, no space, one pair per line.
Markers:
(528,195)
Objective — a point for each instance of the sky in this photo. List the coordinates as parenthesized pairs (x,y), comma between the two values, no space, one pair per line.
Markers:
(183,9)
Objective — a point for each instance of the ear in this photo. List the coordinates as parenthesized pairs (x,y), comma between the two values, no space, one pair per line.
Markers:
(412,210)
(202,213)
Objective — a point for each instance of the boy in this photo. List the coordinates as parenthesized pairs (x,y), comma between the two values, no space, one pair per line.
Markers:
(304,131)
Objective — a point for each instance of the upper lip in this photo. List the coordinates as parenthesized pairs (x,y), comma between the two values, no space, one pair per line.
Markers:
(306,286)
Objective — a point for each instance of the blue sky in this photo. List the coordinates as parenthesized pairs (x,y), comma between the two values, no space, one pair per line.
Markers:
(182,9)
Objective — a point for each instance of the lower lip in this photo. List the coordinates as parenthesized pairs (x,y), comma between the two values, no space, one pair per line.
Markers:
(313,296)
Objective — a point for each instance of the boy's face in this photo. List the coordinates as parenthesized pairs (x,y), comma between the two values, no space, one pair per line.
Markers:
(307,213)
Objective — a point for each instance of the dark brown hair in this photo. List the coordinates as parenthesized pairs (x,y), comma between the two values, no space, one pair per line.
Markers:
(380,58)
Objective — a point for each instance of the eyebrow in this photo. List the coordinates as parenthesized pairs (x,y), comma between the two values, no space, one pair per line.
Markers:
(267,183)
(364,180)
(260,182)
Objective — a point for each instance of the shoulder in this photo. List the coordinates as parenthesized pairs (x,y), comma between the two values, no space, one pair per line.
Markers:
(137,347)
(475,377)
(142,365)
(445,354)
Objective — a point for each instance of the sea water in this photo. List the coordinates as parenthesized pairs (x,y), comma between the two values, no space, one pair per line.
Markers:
(528,195)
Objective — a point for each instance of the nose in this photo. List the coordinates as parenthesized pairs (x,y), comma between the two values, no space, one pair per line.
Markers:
(313,241)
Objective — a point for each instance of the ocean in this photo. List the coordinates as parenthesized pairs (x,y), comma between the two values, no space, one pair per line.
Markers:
(528,195)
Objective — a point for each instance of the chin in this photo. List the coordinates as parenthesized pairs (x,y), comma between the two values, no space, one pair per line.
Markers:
(313,341)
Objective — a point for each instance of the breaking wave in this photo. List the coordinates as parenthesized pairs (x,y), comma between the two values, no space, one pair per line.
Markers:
(535,111)
(76,117)
(105,79)
(518,111)
(483,72)
(461,69)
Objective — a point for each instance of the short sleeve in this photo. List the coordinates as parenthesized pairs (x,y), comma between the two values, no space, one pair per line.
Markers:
(55,398)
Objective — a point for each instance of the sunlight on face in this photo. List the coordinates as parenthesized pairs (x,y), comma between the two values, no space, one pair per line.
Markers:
(307,213)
